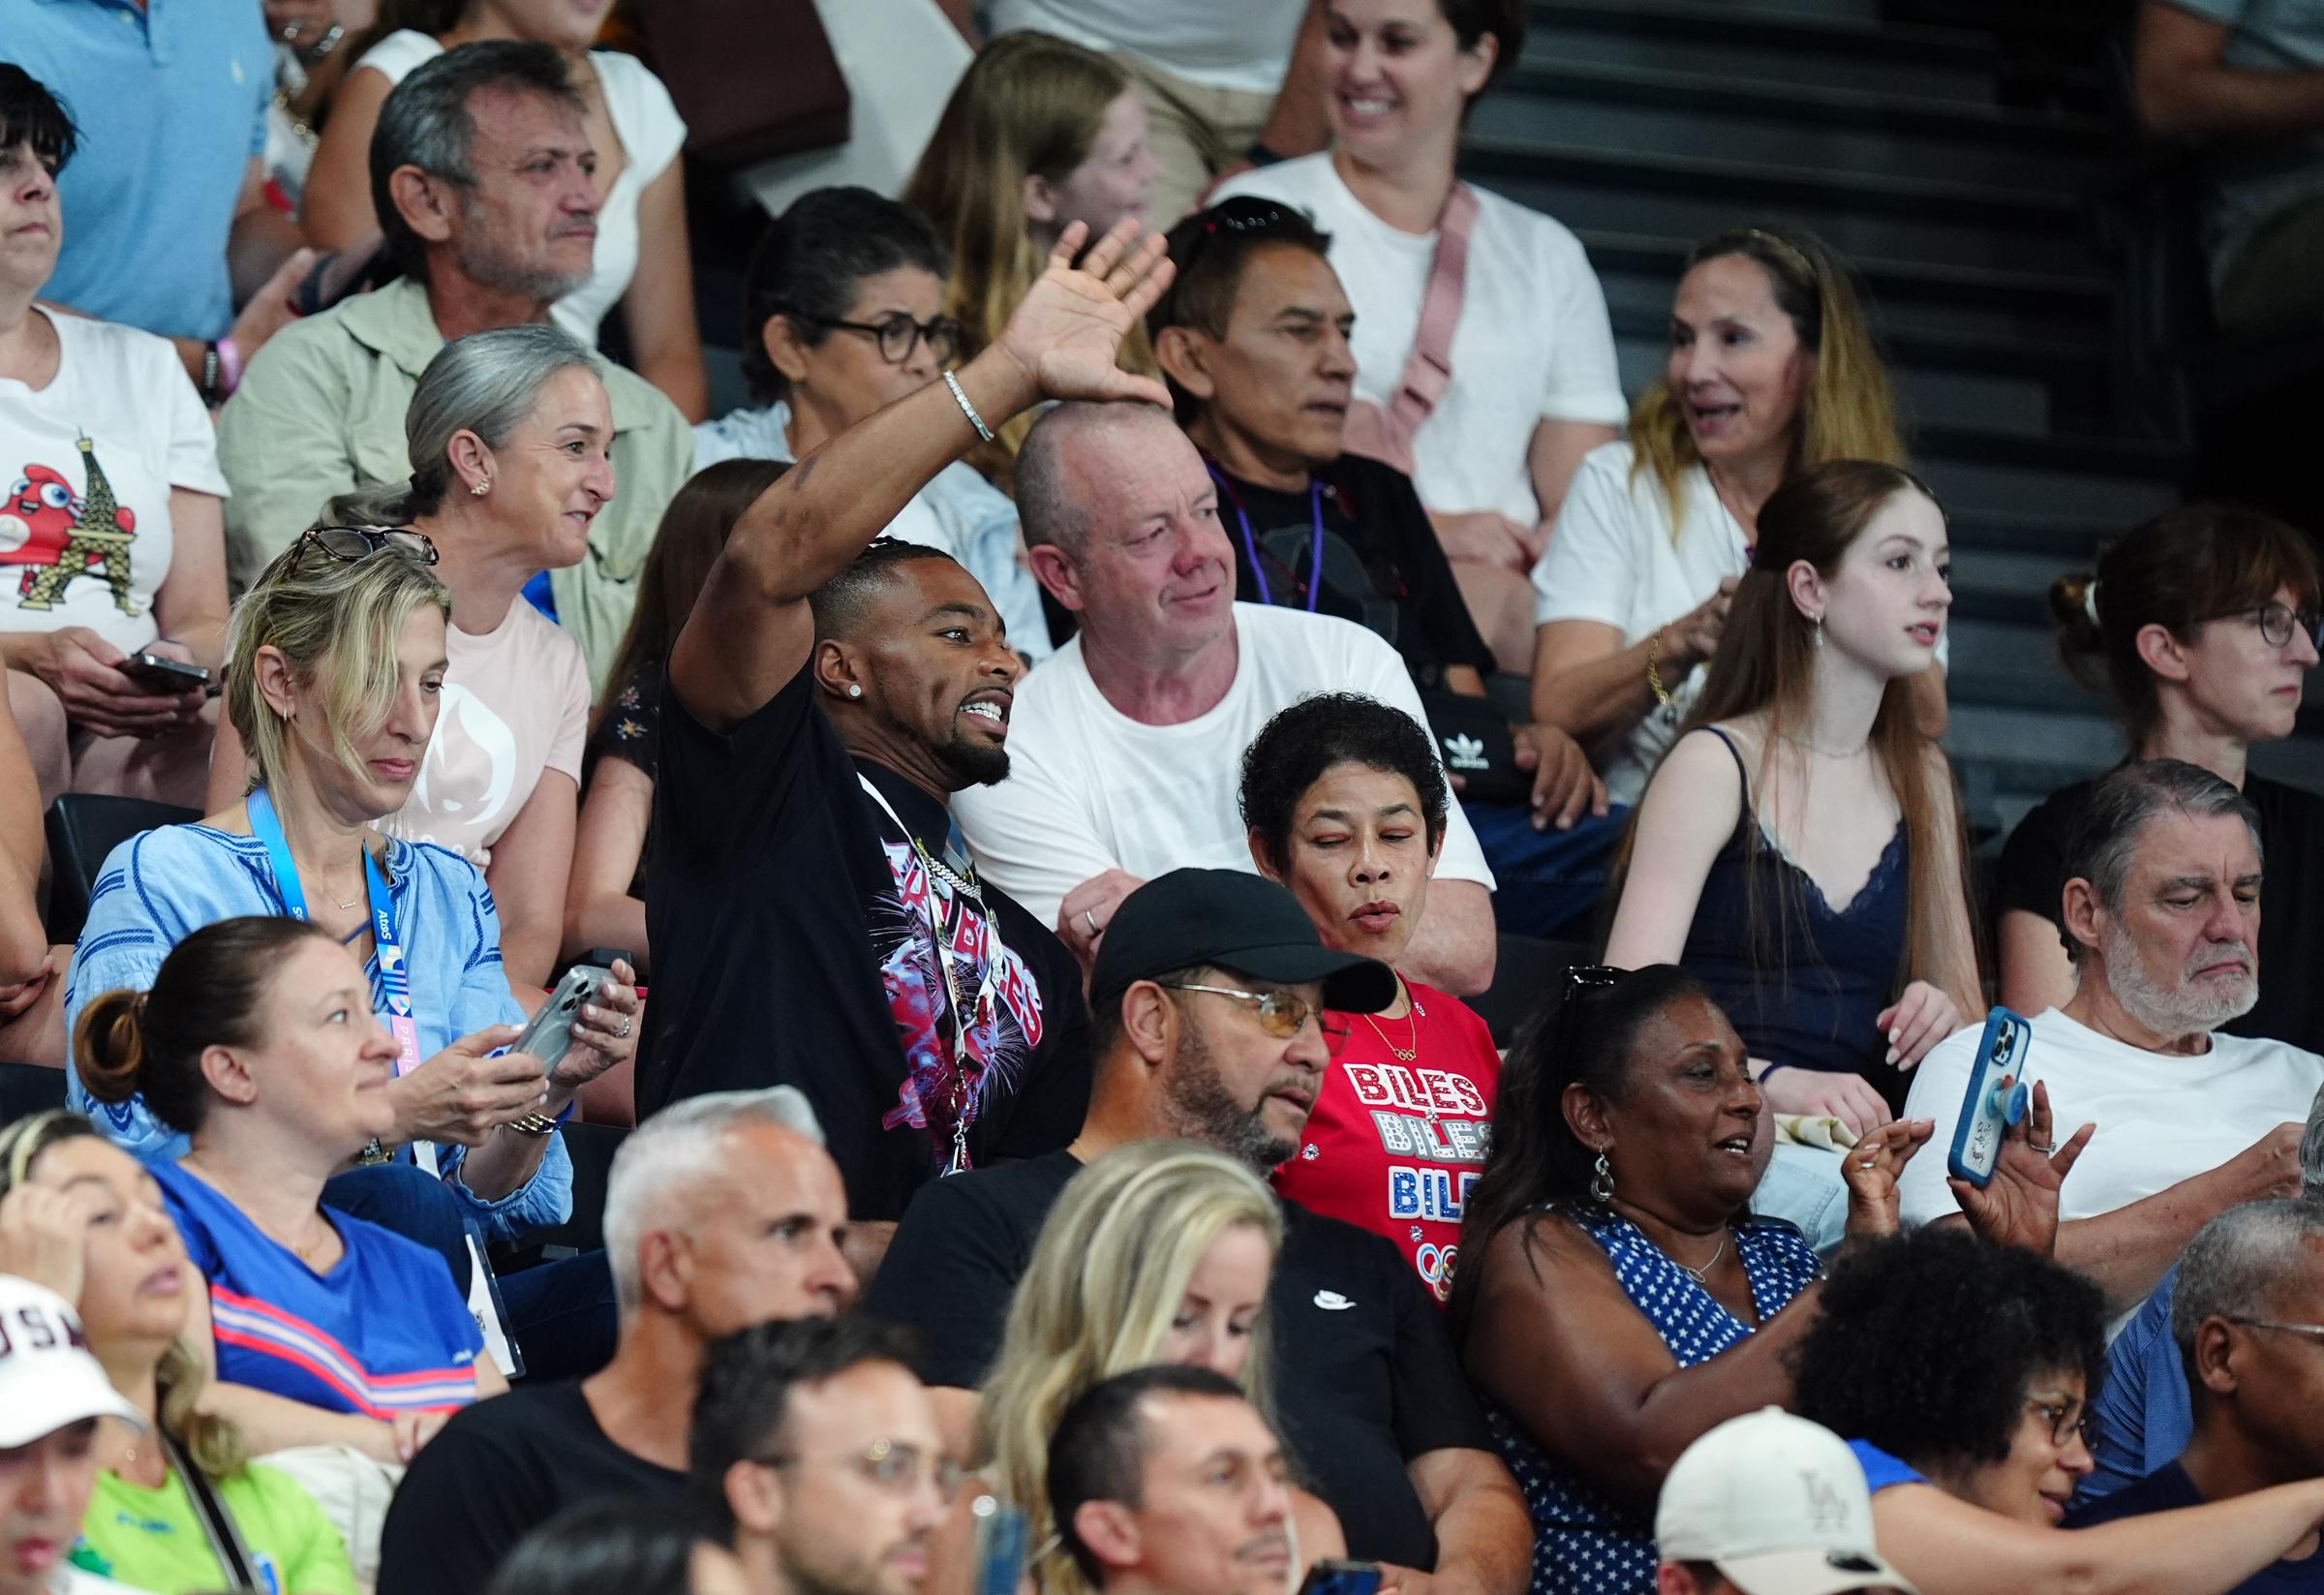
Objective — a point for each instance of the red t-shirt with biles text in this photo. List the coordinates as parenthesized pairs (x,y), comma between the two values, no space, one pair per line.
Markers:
(1396,1142)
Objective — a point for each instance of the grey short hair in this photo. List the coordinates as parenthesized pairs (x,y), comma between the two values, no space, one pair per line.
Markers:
(426,123)
(2237,1260)
(1051,506)
(487,382)
(2103,839)
(2312,1150)
(676,1148)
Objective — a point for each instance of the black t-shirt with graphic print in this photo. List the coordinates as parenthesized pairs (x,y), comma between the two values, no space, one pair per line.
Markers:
(789,921)
(1366,1378)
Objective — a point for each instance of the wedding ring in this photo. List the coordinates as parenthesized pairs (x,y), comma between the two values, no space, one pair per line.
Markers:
(2046,1152)
(1090,920)
(624,1032)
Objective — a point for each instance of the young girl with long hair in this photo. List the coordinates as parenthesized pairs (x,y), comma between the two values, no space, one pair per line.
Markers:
(1800,846)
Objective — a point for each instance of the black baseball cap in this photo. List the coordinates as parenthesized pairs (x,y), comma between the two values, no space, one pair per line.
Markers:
(1231,920)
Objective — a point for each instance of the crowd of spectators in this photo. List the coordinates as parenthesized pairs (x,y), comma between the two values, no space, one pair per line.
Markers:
(1186,590)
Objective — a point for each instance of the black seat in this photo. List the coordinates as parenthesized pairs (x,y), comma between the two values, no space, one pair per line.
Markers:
(1528,975)
(83,828)
(29,1088)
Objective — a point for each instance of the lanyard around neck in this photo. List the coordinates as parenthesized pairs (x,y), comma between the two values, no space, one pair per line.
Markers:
(1250,543)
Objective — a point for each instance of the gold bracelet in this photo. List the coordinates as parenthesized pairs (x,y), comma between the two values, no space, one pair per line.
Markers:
(535,1124)
(1653,673)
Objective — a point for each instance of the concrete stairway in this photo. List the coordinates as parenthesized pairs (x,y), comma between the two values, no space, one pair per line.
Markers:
(1645,124)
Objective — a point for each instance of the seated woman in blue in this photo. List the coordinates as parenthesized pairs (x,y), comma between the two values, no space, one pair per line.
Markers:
(257,1041)
(1963,1373)
(1799,847)
(336,662)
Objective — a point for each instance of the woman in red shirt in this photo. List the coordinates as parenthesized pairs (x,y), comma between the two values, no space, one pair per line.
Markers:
(1345,804)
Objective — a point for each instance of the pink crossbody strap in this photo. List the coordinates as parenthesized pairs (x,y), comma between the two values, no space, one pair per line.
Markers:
(1386,433)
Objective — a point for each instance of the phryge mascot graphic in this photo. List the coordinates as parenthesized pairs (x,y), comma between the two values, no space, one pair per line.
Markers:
(57,536)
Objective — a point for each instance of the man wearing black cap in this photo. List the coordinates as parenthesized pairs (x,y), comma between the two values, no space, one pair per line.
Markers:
(1206,1005)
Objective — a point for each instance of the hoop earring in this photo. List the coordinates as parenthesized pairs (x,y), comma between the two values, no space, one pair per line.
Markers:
(1601,1180)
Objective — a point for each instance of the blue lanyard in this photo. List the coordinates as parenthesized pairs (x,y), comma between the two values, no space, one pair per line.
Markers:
(1250,544)
(395,979)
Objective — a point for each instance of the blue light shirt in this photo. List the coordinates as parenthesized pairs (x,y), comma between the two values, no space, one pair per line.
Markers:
(170,101)
(157,888)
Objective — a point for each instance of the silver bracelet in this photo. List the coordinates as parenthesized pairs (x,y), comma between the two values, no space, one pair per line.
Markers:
(967,409)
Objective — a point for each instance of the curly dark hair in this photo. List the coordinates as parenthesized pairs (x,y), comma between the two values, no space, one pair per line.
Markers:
(1928,1344)
(1293,750)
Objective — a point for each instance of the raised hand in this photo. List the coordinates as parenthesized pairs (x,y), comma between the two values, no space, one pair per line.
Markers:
(1871,1167)
(1066,333)
(2019,1206)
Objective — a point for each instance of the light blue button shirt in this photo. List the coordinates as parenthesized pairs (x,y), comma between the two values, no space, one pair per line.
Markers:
(170,102)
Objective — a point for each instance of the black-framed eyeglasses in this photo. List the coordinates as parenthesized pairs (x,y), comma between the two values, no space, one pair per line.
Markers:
(894,1465)
(2068,1422)
(350,543)
(896,335)
(1245,213)
(2277,621)
(2311,1332)
(1281,1014)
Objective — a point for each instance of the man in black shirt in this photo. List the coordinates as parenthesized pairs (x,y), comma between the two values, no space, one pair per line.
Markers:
(1202,991)
(2249,1314)
(720,1213)
(813,922)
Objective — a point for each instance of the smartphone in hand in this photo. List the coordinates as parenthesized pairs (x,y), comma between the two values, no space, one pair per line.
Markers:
(1997,1098)
(549,1035)
(159,674)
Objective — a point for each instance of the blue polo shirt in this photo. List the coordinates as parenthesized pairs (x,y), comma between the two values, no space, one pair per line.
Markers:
(171,99)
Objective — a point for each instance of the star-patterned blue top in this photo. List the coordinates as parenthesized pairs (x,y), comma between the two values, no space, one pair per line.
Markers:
(1585,1543)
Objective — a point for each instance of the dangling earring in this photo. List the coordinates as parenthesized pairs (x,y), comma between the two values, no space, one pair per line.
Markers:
(1818,622)
(1601,1180)
(482,486)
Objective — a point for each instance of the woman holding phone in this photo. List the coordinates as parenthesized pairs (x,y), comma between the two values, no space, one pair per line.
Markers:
(337,660)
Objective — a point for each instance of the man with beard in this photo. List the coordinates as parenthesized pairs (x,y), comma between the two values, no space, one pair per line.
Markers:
(814,1455)
(2161,914)
(1207,1001)
(1166,1481)
(815,921)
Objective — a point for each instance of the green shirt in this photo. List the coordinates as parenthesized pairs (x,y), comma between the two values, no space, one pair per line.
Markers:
(153,1540)
(321,412)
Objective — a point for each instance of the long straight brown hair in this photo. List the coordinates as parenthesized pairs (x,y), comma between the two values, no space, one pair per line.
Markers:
(1765,664)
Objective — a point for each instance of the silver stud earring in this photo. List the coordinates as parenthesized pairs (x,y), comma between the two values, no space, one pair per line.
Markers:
(482,486)
(855,691)
(1601,1180)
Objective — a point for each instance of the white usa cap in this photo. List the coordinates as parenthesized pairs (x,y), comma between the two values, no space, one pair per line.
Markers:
(48,1379)
(1778,1505)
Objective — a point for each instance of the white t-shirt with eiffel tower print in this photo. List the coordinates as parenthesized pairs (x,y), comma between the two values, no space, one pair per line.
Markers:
(86,466)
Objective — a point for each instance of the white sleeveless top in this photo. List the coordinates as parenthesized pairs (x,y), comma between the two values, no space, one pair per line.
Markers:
(651,133)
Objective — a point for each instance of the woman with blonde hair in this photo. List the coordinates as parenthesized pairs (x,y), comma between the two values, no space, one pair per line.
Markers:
(1771,371)
(1039,133)
(80,1215)
(1799,851)
(337,659)
(1158,1252)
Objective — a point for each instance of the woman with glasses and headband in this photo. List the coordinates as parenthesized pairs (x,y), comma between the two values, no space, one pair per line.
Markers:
(1485,359)
(508,436)
(1617,1297)
(843,313)
(1962,1374)
(334,686)
(99,1223)
(1159,1251)
(2202,626)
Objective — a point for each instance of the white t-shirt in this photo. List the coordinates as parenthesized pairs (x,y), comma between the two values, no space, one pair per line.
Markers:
(515,704)
(1533,342)
(88,462)
(2161,1119)
(648,125)
(1242,44)
(1091,789)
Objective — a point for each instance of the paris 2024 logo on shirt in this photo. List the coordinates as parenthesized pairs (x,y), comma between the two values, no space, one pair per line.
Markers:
(57,536)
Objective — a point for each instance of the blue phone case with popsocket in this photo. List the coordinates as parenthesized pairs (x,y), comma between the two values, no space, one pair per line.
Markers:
(1997,1098)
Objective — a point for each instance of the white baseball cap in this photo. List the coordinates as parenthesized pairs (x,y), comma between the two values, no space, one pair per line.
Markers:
(49,1377)
(1778,1505)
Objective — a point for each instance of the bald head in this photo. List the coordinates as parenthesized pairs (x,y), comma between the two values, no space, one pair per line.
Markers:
(1073,446)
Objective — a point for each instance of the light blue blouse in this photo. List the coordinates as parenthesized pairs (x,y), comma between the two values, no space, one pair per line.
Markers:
(159,887)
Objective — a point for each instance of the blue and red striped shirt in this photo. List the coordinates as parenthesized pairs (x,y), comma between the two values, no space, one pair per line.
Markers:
(383,1332)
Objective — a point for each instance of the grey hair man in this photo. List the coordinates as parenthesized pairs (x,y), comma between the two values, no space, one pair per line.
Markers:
(722,1212)
(483,174)
(2161,903)
(2247,1319)
(2145,1411)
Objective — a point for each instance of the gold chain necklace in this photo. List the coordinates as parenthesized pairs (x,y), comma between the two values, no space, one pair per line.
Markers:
(1403,1055)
